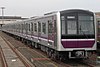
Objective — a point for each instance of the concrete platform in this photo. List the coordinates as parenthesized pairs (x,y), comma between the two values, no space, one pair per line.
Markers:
(11,58)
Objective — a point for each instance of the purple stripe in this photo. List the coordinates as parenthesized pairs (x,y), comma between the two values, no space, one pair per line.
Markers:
(78,44)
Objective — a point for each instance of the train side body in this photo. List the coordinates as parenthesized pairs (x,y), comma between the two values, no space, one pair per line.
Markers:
(69,33)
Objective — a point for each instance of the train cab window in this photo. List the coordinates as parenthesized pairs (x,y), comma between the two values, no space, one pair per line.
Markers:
(86,24)
(71,27)
(69,24)
(44,28)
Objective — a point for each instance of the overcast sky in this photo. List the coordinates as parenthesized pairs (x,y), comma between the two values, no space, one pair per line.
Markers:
(29,8)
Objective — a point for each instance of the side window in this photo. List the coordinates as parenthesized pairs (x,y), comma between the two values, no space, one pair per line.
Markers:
(22,27)
(19,27)
(50,27)
(39,27)
(16,27)
(44,28)
(31,26)
(55,26)
(26,26)
(35,27)
(63,24)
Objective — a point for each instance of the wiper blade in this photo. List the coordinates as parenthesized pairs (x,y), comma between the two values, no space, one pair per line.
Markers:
(83,32)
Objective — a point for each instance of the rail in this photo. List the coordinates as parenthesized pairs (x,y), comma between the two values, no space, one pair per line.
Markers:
(4,62)
(20,56)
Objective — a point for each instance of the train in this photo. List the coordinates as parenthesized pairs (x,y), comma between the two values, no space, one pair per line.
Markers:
(98,33)
(61,34)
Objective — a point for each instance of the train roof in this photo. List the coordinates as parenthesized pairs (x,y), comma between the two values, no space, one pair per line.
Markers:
(76,10)
(68,11)
(61,12)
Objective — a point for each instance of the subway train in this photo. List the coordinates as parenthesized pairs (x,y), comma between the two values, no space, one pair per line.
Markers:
(61,34)
(98,34)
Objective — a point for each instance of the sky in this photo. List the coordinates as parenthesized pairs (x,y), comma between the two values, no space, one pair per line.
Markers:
(29,8)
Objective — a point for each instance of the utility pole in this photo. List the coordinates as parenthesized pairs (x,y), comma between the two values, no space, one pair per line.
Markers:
(2,8)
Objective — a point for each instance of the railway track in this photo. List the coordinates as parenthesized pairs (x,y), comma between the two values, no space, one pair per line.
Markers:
(4,62)
(39,58)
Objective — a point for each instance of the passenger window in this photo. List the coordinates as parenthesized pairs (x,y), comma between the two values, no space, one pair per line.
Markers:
(35,27)
(26,26)
(44,28)
(50,27)
(39,27)
(55,26)
(31,26)
(22,28)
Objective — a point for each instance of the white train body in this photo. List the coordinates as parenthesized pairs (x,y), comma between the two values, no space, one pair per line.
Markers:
(72,32)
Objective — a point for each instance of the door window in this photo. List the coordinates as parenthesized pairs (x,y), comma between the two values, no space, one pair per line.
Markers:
(71,27)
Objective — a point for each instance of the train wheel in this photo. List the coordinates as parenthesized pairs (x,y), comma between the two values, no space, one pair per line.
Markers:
(33,44)
(60,58)
(50,54)
(36,45)
(53,57)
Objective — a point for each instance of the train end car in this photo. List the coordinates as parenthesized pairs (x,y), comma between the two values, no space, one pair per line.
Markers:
(62,34)
(78,33)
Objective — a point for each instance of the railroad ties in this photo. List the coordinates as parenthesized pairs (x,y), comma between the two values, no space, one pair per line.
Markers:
(8,57)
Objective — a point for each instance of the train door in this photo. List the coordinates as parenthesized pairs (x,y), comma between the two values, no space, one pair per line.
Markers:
(39,31)
(51,32)
(71,24)
(69,29)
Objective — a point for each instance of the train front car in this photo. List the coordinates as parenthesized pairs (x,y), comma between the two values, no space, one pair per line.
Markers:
(78,30)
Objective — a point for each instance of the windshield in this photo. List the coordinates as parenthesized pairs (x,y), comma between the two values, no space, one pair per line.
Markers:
(85,24)
(77,24)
